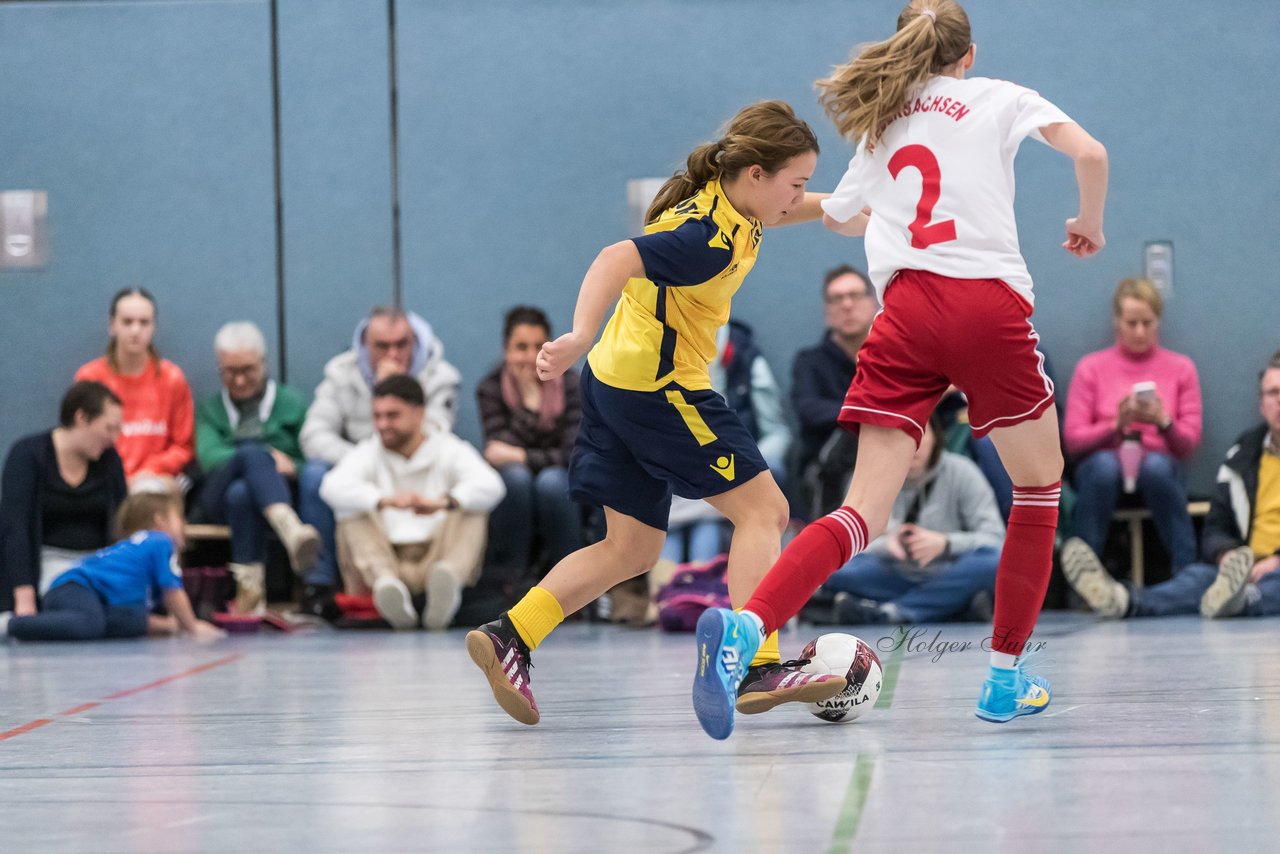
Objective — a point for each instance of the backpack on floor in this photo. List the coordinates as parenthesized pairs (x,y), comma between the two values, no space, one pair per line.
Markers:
(694,588)
(209,588)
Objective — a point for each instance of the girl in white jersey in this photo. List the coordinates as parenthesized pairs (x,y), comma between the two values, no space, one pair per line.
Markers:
(931,188)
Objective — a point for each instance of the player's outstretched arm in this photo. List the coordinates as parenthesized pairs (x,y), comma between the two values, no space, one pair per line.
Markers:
(855,227)
(1084,230)
(601,288)
(807,211)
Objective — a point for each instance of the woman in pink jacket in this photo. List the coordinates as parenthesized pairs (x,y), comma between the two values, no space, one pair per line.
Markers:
(1112,397)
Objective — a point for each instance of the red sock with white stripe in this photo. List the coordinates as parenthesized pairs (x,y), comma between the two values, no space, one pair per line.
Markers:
(1025,564)
(805,564)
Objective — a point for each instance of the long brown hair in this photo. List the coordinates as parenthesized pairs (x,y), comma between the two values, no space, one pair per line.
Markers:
(867,93)
(768,133)
(113,362)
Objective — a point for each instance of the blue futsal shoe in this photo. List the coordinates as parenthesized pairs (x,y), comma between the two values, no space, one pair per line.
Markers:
(726,644)
(1009,692)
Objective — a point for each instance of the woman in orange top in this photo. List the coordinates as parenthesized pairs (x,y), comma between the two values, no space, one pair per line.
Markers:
(156,437)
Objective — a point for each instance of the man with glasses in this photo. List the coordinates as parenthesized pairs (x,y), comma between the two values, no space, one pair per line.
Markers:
(820,378)
(388,342)
(1241,538)
(247,444)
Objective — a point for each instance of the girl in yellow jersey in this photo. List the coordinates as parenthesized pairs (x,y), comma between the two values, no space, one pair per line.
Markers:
(651,424)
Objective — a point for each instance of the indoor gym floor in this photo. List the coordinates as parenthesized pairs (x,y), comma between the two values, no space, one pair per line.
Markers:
(1163,735)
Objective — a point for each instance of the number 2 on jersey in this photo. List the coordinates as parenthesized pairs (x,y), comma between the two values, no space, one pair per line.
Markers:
(923,232)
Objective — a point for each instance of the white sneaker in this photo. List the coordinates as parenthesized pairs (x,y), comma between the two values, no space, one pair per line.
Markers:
(1088,577)
(1226,595)
(444,595)
(394,603)
(5,616)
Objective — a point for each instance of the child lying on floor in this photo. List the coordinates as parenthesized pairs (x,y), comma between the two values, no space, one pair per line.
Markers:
(110,593)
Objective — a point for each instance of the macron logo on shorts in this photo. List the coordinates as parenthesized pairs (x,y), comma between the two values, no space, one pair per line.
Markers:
(724,467)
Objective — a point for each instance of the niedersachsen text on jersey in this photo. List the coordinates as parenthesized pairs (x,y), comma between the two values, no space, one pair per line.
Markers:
(936,104)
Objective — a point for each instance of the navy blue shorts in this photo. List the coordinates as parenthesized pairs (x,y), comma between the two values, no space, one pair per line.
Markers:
(636,448)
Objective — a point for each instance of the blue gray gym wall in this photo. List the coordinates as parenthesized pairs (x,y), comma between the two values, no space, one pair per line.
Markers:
(517,125)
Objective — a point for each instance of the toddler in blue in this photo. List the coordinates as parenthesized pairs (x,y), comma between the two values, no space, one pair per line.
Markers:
(110,594)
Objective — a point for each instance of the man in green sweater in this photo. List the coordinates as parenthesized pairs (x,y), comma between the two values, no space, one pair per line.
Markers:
(247,445)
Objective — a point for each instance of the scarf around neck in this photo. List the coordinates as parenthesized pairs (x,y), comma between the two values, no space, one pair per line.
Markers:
(551,407)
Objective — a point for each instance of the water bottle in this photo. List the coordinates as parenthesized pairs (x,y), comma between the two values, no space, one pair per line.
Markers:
(1131,453)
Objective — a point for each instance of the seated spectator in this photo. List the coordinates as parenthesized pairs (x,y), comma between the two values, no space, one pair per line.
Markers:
(957,437)
(1102,409)
(820,377)
(939,552)
(529,428)
(742,375)
(412,505)
(110,593)
(954,409)
(155,440)
(388,342)
(248,448)
(1241,538)
(59,495)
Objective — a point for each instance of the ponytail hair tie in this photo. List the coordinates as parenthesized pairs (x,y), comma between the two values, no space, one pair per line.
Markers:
(930,14)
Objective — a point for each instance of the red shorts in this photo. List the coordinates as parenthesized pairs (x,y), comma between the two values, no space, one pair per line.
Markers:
(936,331)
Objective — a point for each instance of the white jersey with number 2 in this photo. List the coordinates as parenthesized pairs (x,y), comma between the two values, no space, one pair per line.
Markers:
(940,183)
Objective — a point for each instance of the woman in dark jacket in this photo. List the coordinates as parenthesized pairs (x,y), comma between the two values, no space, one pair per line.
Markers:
(59,495)
(529,430)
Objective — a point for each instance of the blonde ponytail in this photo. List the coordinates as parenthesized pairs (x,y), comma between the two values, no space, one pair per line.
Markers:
(866,94)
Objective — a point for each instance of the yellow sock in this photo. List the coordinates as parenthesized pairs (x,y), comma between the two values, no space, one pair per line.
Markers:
(768,652)
(536,615)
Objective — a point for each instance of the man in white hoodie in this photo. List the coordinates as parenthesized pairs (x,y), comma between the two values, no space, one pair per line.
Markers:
(389,341)
(412,504)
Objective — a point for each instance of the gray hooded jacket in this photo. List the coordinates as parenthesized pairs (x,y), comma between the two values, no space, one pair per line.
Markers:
(956,500)
(342,413)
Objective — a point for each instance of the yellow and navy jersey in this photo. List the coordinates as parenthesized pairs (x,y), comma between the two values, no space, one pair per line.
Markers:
(663,330)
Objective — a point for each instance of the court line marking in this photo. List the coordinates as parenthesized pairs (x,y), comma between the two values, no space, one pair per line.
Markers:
(855,798)
(165,680)
(117,695)
(27,727)
(889,678)
(850,816)
(849,819)
(700,840)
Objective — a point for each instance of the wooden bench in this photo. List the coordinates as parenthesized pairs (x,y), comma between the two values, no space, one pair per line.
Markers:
(206,532)
(1135,516)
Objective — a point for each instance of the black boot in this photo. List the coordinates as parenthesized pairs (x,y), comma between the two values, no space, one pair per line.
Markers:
(317,601)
